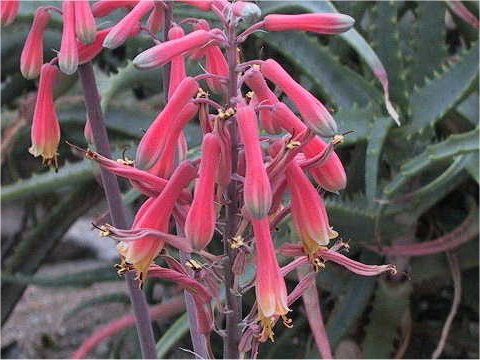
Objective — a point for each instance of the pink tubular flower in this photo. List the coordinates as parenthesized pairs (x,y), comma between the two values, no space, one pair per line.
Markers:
(68,55)
(45,128)
(327,23)
(161,54)
(85,26)
(9,11)
(147,183)
(155,214)
(103,8)
(171,137)
(216,64)
(200,223)
(182,279)
(87,52)
(257,192)
(263,96)
(151,145)
(31,59)
(177,72)
(308,211)
(157,18)
(331,174)
(270,288)
(315,115)
(121,31)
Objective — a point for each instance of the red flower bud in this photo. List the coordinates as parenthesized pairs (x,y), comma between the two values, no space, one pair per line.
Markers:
(104,7)
(326,23)
(200,223)
(45,132)
(171,140)
(31,59)
(262,96)
(308,211)
(9,11)
(151,145)
(85,26)
(177,72)
(315,115)
(121,31)
(68,55)
(161,54)
(330,175)
(270,288)
(257,192)
(157,18)
(155,214)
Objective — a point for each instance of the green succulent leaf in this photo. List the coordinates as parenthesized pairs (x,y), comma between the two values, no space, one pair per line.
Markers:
(429,42)
(440,94)
(377,136)
(390,303)
(126,78)
(77,280)
(354,219)
(352,303)
(172,336)
(71,174)
(385,36)
(455,145)
(119,298)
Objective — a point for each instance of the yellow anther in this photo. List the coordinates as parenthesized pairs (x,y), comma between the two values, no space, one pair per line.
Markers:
(318,264)
(293,144)
(194,265)
(126,161)
(249,95)
(338,139)
(236,242)
(202,93)
(104,231)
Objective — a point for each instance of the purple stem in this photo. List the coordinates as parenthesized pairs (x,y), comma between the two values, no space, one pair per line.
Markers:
(314,316)
(115,205)
(234,299)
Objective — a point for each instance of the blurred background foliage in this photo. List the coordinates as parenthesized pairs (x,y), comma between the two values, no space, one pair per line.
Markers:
(413,188)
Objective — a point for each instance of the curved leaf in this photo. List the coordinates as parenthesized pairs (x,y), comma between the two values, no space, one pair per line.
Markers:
(71,174)
(455,145)
(440,94)
(173,335)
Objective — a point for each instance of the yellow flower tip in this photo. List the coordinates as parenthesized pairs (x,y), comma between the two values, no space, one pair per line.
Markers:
(256,67)
(49,155)
(332,234)
(267,328)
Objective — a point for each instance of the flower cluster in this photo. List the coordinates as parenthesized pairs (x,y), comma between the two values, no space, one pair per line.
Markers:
(257,153)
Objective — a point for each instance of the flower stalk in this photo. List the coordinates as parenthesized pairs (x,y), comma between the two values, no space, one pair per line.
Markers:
(115,205)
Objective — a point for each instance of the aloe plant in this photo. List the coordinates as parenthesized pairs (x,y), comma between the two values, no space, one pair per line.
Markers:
(403,81)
